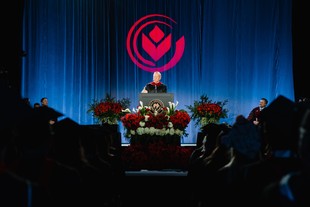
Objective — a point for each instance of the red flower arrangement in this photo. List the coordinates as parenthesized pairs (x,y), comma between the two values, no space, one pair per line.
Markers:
(144,122)
(206,111)
(109,110)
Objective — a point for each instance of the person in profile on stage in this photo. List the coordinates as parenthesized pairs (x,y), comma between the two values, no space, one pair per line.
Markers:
(155,86)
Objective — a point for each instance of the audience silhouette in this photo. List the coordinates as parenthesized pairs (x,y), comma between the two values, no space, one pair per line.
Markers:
(292,188)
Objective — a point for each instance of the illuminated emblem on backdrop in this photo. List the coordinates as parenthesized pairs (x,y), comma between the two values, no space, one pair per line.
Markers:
(149,43)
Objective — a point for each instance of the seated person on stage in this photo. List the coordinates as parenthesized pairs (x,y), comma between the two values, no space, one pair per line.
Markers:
(254,115)
(155,86)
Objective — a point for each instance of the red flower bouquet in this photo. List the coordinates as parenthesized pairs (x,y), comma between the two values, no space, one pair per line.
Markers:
(109,110)
(206,111)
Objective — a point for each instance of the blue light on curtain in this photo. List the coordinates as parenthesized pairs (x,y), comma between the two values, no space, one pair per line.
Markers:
(237,50)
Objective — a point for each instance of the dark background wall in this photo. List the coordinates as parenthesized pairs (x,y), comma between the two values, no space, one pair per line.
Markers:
(11,42)
(11,45)
(300,47)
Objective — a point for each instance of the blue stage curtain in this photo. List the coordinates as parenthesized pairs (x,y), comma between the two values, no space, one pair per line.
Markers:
(237,50)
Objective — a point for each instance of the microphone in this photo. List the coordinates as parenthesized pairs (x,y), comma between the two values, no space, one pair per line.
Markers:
(155,88)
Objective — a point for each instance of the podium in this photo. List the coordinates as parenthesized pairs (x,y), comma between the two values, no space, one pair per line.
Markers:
(158,99)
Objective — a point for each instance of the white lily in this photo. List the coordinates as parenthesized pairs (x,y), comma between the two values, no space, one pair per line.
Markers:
(170,104)
(173,106)
(126,110)
(141,103)
(177,104)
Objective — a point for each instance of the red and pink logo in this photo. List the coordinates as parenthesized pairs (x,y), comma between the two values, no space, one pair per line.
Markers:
(149,43)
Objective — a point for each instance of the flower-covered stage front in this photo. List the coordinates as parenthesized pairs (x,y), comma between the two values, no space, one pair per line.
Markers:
(156,156)
(154,135)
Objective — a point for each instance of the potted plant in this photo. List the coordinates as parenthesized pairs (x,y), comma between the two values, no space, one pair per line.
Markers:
(108,111)
(206,111)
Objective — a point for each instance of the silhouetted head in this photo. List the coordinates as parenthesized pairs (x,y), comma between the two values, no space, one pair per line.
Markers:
(243,138)
(280,124)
